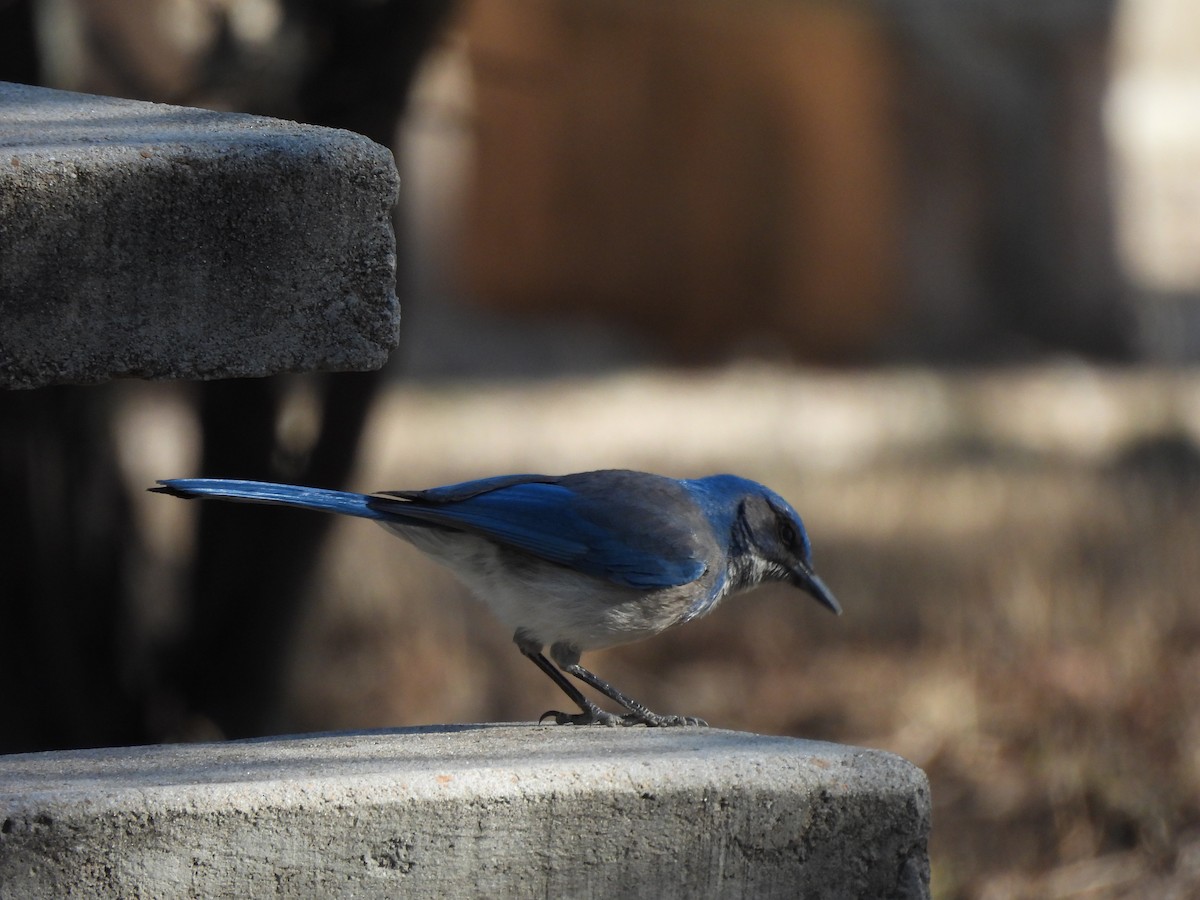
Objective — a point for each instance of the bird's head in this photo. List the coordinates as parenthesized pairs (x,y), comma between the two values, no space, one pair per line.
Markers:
(767,539)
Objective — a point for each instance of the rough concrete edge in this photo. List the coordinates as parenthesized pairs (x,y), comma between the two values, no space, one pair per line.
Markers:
(247,136)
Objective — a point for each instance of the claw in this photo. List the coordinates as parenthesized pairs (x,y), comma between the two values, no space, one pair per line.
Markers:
(656,721)
(600,717)
(591,717)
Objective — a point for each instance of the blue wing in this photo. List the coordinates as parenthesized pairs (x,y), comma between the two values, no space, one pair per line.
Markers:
(621,526)
(630,528)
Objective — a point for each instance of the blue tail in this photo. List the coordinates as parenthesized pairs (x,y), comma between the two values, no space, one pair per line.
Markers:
(347,504)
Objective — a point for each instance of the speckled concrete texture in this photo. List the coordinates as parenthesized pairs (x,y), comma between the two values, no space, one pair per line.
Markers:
(468,811)
(138,239)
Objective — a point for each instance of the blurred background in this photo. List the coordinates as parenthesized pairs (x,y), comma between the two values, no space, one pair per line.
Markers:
(931,270)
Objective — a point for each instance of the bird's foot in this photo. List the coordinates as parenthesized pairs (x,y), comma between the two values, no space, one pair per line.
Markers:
(597,716)
(594,716)
(654,720)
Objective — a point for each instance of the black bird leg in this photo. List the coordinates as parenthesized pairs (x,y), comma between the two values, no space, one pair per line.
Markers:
(637,711)
(592,714)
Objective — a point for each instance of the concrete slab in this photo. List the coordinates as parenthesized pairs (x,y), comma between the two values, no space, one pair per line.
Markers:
(138,239)
(472,810)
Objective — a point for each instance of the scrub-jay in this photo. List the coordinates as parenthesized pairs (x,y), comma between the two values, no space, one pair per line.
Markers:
(581,561)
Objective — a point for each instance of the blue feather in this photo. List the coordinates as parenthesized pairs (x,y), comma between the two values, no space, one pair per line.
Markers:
(557,520)
(321,499)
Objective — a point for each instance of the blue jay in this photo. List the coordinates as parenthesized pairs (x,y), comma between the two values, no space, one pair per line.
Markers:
(584,561)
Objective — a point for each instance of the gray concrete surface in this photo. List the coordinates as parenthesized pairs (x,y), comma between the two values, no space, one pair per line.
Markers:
(468,811)
(155,241)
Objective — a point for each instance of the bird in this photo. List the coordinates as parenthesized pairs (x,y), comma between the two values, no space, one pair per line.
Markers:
(582,561)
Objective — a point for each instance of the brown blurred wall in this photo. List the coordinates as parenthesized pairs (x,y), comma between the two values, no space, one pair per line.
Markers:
(715,174)
(830,181)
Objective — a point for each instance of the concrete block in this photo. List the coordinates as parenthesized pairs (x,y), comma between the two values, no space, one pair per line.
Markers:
(468,811)
(138,239)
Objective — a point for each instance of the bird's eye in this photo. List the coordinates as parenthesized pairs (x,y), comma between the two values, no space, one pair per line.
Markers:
(787,533)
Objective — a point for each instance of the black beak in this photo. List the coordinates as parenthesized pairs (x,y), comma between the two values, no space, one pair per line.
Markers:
(806,579)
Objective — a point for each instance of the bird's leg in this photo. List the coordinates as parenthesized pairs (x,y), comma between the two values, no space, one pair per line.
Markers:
(638,713)
(591,715)
(567,658)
